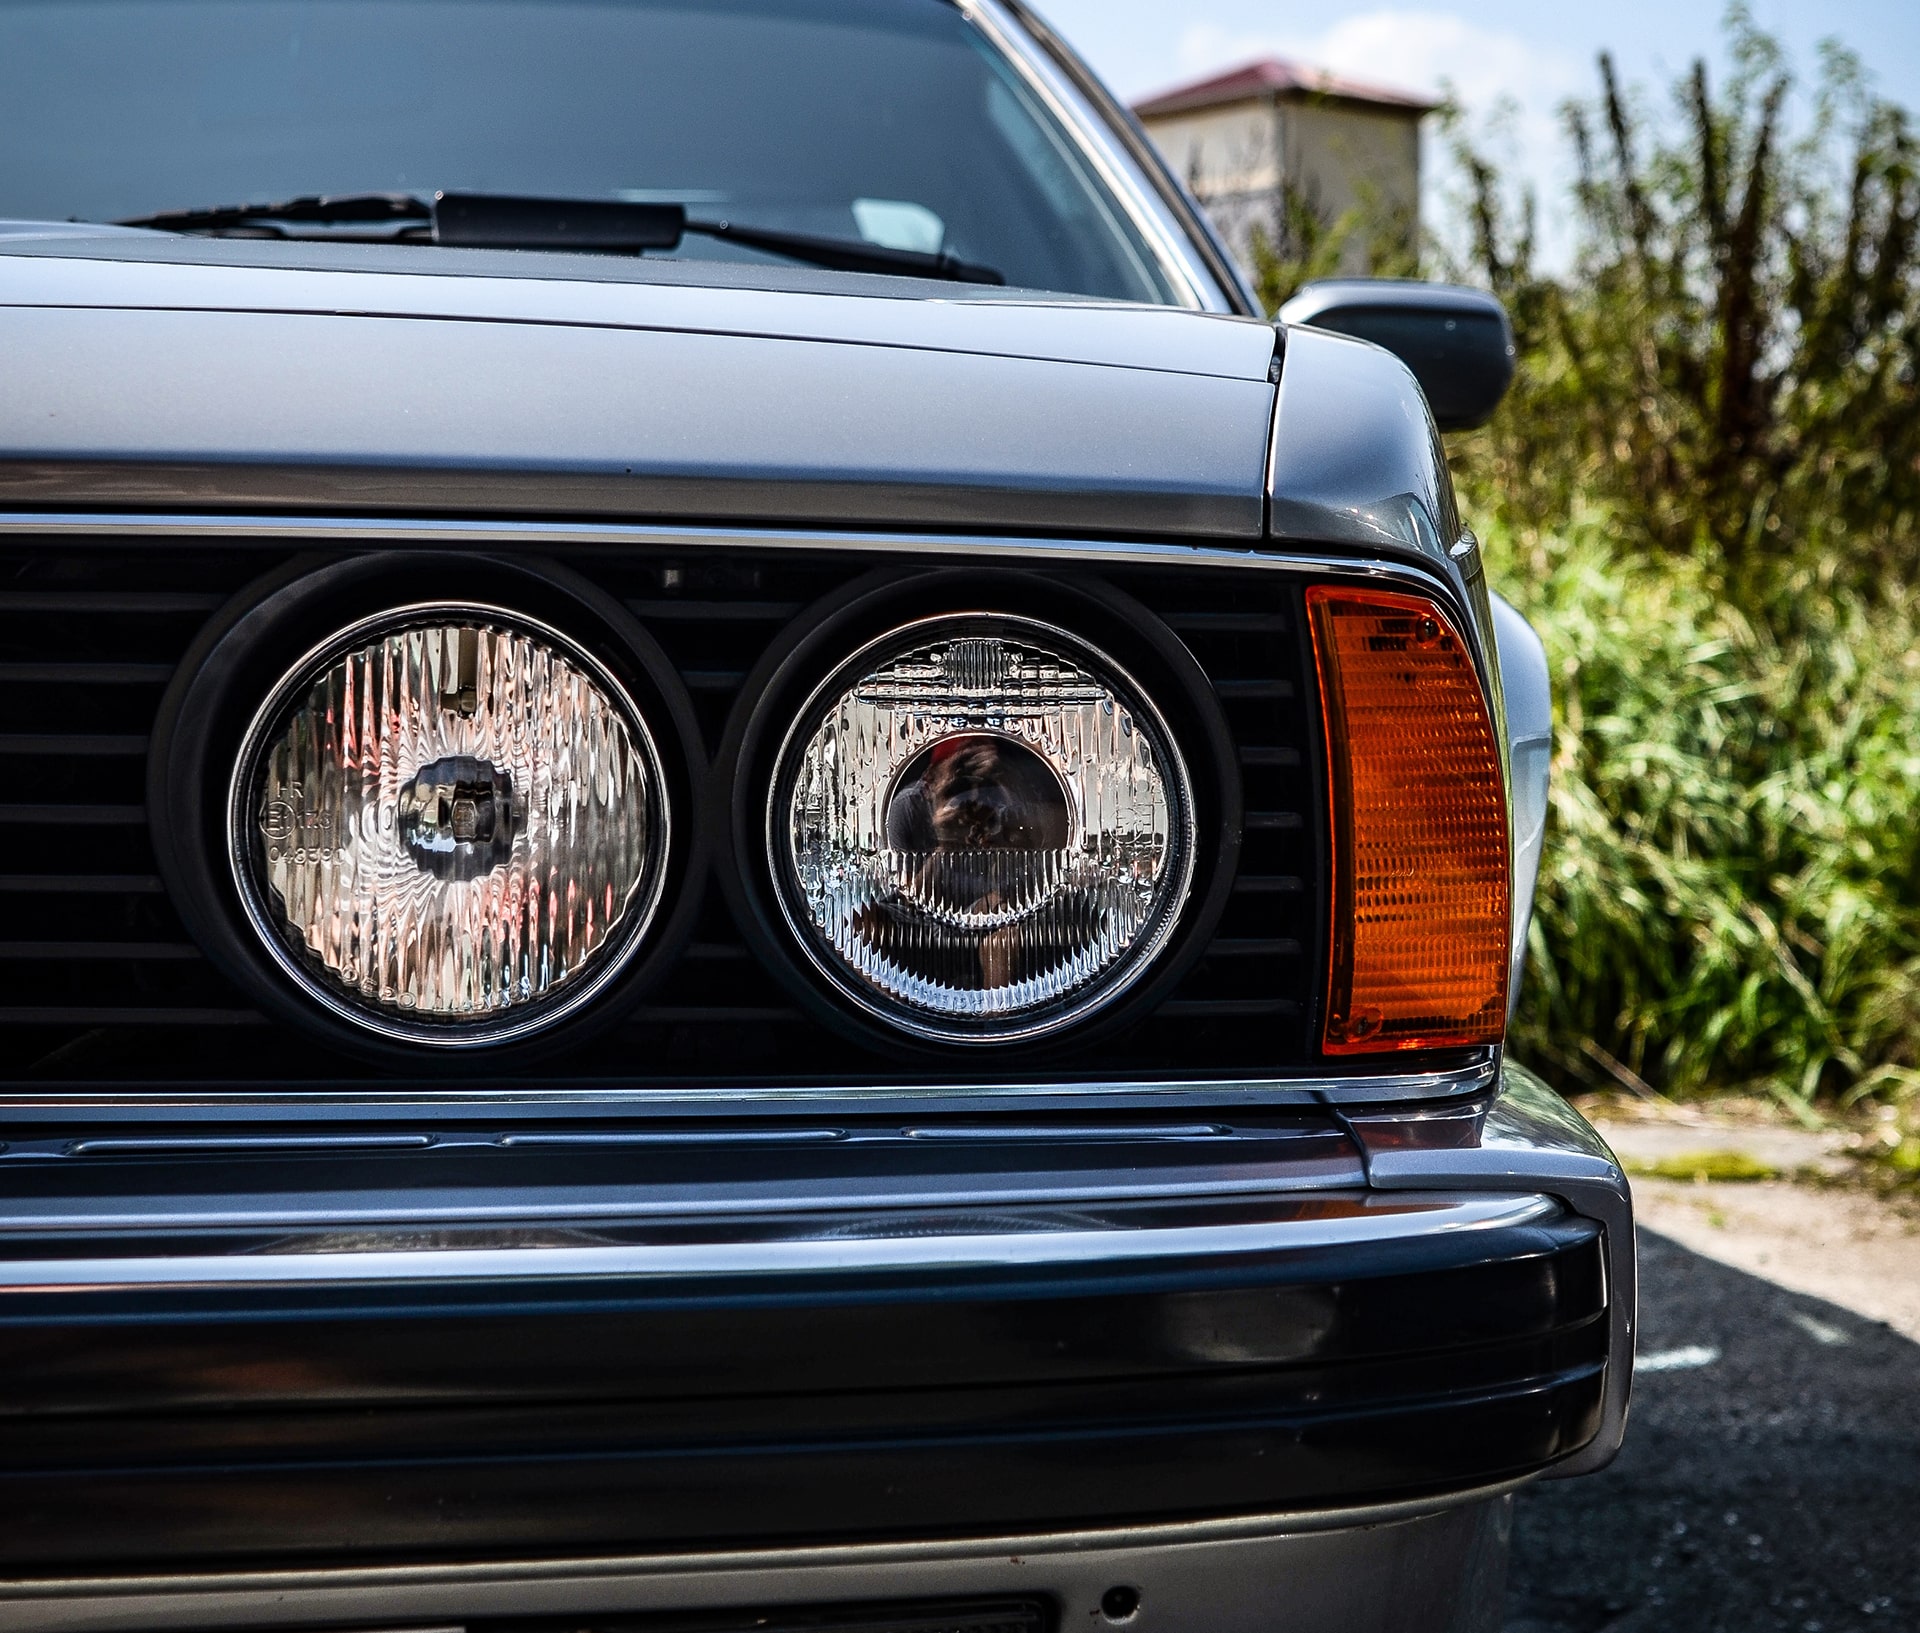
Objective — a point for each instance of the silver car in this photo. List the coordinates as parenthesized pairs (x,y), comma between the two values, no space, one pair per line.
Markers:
(758,875)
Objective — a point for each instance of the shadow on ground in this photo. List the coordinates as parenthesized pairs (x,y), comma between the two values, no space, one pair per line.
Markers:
(1777,1487)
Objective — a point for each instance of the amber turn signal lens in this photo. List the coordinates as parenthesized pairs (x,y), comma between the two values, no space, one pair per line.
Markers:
(1419,828)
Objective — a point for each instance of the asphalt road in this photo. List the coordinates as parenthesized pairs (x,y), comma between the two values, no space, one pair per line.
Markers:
(1770,1480)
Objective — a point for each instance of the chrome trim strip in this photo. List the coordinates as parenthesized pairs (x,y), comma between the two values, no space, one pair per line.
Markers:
(1015,1548)
(242,1145)
(653,1139)
(65,1106)
(380,530)
(826,1253)
(1420,576)
(634,1207)
(1093,1133)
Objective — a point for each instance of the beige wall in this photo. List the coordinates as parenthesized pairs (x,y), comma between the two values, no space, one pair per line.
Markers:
(1233,149)
(1343,156)
(1337,154)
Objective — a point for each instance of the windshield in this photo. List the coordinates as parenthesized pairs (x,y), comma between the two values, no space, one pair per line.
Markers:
(892,122)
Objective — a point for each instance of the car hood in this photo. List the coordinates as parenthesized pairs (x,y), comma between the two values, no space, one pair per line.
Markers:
(151,370)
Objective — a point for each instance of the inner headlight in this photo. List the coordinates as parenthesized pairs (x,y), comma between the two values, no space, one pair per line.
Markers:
(448,824)
(986,833)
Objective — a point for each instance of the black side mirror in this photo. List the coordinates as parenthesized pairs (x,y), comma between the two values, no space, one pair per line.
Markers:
(1457,341)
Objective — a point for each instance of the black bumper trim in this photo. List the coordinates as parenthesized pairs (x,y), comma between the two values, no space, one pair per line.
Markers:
(463,1418)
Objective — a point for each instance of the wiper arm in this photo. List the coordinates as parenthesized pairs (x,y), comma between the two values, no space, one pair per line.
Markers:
(850,254)
(601,226)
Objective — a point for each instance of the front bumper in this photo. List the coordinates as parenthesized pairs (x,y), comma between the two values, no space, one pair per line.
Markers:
(1411,1568)
(902,1360)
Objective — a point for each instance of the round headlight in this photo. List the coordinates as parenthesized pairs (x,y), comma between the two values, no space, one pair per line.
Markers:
(981,829)
(447,824)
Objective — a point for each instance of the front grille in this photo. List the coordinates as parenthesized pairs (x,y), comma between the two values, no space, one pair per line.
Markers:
(99,984)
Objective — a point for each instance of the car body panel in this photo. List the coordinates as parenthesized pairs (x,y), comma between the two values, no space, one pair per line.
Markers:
(648,400)
(154,271)
(1356,460)
(1528,1135)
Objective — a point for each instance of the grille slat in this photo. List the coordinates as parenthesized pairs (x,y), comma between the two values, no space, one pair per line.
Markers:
(713,680)
(119,1015)
(717,612)
(57,743)
(1254,947)
(95,603)
(142,952)
(56,673)
(1241,623)
(90,816)
(81,884)
(1209,1008)
(106,989)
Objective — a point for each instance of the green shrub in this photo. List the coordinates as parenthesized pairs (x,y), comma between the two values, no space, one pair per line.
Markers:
(1697,1167)
(1730,363)
(1704,489)
(1731,892)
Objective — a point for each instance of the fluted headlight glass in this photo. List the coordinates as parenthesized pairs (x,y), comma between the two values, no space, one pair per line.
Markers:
(449,824)
(986,834)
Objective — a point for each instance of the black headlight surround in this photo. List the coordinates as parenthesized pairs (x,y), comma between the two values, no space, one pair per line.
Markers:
(245,655)
(821,645)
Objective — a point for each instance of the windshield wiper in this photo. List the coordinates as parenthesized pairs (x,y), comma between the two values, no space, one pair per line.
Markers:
(500,221)
(337,210)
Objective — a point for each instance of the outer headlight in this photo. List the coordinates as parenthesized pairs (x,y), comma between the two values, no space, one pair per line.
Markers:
(447,824)
(981,828)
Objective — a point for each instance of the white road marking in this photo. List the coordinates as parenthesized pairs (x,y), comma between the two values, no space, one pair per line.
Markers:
(1820,1332)
(1684,1359)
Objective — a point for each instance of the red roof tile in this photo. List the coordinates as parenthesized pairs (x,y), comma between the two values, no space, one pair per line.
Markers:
(1274,76)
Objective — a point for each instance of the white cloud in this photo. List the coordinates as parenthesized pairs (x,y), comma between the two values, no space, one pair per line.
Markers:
(1510,88)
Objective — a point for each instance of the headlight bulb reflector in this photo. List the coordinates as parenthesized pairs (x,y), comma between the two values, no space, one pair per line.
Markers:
(447,824)
(985,835)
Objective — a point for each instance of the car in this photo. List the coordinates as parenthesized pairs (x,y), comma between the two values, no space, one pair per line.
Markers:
(759,874)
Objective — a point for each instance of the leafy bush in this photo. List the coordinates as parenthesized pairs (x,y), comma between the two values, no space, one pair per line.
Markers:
(1705,491)
(1731,360)
(1731,894)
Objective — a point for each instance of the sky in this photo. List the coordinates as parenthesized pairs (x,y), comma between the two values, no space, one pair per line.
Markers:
(1531,54)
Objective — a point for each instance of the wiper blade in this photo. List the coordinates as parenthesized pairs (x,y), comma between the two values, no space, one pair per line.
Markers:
(596,226)
(312,210)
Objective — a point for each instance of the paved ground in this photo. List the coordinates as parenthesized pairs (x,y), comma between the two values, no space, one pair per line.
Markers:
(1771,1478)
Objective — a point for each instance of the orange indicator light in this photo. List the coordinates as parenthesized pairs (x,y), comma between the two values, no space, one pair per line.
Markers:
(1421,920)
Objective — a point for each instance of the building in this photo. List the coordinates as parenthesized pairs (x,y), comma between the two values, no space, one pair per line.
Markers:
(1279,148)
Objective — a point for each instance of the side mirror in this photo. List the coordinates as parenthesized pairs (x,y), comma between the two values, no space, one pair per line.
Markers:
(1457,341)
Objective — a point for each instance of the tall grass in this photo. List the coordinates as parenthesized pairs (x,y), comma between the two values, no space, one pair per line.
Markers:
(1731,896)
(1705,491)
